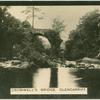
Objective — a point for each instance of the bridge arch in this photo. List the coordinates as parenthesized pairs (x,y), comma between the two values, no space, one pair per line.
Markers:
(54,40)
(44,39)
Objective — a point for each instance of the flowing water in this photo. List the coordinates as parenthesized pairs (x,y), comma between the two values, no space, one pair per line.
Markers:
(63,77)
(59,77)
(66,79)
(69,78)
(41,78)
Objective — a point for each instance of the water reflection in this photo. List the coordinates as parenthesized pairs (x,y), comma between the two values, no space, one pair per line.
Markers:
(14,78)
(50,77)
(54,77)
(90,79)
(66,79)
(41,78)
(72,77)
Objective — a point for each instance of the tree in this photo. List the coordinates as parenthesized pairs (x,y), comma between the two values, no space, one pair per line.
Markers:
(17,40)
(85,39)
(58,25)
(10,32)
(30,11)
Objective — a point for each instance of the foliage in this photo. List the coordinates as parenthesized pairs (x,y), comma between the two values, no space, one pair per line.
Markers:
(10,33)
(17,40)
(85,39)
(58,25)
(30,43)
(30,12)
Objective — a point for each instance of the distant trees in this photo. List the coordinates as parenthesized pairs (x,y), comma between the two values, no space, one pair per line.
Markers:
(31,13)
(85,39)
(58,25)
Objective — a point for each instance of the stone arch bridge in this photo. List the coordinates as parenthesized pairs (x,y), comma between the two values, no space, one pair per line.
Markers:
(43,32)
(54,41)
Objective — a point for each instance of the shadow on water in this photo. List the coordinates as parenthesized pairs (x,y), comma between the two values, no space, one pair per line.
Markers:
(14,78)
(23,78)
(54,78)
(90,78)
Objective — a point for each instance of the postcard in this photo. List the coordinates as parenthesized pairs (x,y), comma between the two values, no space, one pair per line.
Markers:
(49,50)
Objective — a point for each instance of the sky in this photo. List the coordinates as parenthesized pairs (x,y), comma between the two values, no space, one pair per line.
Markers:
(70,14)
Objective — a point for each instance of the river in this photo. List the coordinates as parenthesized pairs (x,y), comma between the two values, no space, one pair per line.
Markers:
(63,76)
(59,77)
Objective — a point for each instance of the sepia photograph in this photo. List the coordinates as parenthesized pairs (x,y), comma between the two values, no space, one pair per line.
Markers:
(49,51)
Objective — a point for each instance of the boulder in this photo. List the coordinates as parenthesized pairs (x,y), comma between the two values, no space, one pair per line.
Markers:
(90,60)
